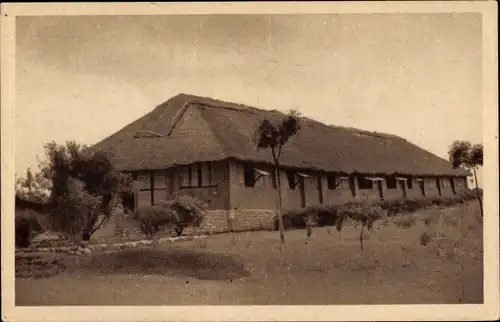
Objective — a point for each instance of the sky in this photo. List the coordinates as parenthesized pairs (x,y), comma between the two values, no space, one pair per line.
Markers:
(83,78)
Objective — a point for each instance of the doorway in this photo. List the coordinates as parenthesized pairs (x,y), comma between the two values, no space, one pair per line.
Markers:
(402,184)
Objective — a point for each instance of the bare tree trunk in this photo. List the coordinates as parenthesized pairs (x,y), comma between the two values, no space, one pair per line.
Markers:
(280,212)
(477,192)
(361,234)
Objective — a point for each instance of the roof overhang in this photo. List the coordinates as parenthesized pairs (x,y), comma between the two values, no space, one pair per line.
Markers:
(261,172)
(374,178)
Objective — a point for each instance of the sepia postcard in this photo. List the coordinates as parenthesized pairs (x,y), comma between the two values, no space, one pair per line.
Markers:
(250,161)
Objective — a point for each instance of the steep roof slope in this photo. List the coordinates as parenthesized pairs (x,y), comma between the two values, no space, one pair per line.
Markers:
(152,142)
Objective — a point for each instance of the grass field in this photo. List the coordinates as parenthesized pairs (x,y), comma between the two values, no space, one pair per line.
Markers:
(252,268)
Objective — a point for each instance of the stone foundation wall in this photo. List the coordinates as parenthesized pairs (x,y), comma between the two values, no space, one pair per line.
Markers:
(218,221)
(251,219)
(215,221)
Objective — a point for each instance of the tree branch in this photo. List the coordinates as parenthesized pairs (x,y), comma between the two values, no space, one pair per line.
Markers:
(98,226)
(279,151)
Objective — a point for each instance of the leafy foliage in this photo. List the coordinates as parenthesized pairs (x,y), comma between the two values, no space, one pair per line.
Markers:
(178,214)
(33,188)
(78,211)
(152,219)
(367,212)
(464,154)
(27,226)
(185,211)
(275,134)
(81,186)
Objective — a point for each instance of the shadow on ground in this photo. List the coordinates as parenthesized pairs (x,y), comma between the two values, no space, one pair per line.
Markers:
(162,261)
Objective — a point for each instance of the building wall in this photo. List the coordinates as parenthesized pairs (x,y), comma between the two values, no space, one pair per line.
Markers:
(262,196)
(394,193)
(167,184)
(236,207)
(430,187)
(342,193)
(372,194)
(461,185)
(414,191)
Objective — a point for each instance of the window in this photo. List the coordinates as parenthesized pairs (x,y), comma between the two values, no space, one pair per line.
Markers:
(364,184)
(184,177)
(206,177)
(344,183)
(410,182)
(152,187)
(249,176)
(194,175)
(391,183)
(144,181)
(292,179)
(331,182)
(200,174)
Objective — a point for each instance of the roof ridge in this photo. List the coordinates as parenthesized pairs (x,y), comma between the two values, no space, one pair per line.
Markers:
(217,103)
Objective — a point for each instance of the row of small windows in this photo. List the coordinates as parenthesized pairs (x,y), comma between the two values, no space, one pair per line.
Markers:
(253,175)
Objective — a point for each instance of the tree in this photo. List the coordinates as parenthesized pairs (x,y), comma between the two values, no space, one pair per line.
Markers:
(274,135)
(81,180)
(464,154)
(78,211)
(33,188)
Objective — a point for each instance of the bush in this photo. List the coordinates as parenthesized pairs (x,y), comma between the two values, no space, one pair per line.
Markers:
(361,210)
(152,219)
(425,238)
(184,212)
(326,215)
(405,221)
(27,227)
(293,219)
(393,207)
(177,214)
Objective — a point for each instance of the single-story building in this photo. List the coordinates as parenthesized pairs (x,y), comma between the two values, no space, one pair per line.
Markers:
(203,147)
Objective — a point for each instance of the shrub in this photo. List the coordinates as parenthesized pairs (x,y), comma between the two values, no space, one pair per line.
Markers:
(364,211)
(393,207)
(152,219)
(177,214)
(405,221)
(27,226)
(322,215)
(293,219)
(184,212)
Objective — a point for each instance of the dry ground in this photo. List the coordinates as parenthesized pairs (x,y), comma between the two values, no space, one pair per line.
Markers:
(251,268)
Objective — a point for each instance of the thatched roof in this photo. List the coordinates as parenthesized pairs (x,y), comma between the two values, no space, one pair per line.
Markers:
(226,132)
